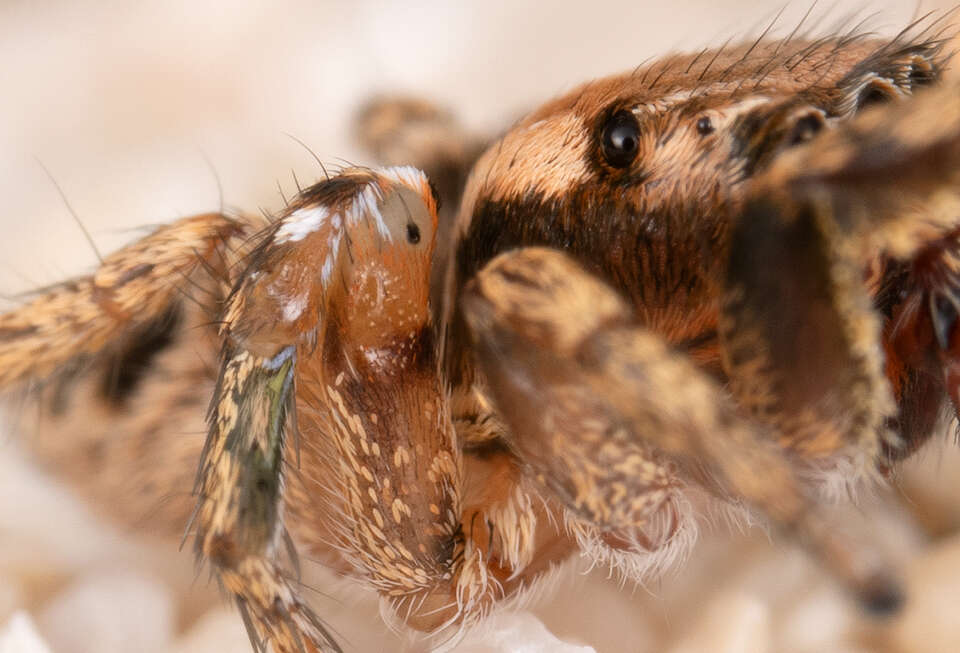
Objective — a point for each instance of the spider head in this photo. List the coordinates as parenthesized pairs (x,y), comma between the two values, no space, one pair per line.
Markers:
(637,176)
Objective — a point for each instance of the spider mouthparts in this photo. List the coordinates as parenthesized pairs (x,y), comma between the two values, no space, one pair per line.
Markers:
(882,596)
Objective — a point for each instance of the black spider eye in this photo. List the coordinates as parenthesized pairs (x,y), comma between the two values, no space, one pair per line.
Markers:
(806,128)
(705,126)
(413,233)
(872,95)
(621,139)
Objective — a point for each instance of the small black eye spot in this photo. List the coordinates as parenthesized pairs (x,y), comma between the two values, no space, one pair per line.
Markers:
(806,128)
(705,126)
(944,313)
(620,139)
(921,73)
(873,95)
(413,233)
(921,77)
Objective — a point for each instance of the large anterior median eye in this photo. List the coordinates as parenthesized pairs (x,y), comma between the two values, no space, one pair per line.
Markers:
(621,139)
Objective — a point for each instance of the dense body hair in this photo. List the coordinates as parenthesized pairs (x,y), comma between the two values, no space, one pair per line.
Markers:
(657,231)
(675,280)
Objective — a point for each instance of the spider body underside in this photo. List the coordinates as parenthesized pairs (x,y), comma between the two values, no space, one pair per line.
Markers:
(734,272)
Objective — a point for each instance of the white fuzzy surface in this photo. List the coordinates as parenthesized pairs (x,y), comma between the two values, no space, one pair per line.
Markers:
(133,106)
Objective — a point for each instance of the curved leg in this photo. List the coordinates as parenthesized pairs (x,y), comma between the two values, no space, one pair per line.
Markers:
(330,325)
(876,200)
(108,376)
(608,417)
(131,292)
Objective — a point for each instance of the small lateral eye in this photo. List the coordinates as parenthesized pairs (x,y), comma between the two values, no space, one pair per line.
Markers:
(705,126)
(806,128)
(621,139)
(413,233)
(872,96)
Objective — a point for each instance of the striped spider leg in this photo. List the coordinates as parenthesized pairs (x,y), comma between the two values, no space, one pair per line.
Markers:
(330,322)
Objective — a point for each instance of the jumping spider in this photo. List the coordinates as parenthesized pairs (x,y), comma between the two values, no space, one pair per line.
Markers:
(727,271)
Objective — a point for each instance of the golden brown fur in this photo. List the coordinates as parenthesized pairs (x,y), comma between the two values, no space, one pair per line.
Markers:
(645,359)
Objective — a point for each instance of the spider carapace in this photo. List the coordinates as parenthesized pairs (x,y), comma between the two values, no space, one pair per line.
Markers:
(730,274)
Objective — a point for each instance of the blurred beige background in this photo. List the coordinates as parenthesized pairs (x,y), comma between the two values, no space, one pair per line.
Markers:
(145,112)
(122,100)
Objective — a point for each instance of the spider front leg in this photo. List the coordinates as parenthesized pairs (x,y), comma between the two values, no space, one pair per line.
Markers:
(874,201)
(92,317)
(330,323)
(110,374)
(240,484)
(613,422)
